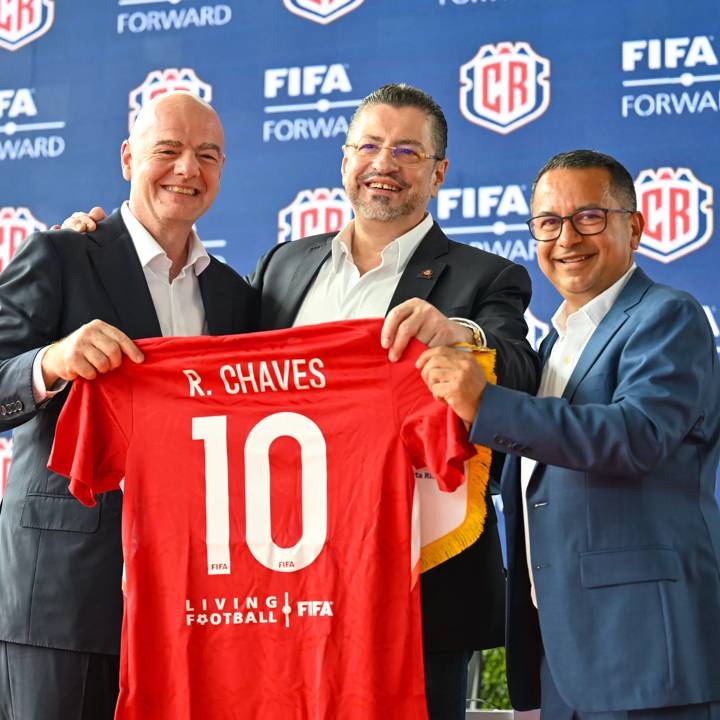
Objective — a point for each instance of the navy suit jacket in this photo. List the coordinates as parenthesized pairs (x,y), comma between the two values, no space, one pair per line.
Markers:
(623,522)
(463,598)
(60,562)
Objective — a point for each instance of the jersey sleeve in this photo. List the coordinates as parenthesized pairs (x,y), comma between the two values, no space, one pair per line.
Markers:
(91,437)
(432,433)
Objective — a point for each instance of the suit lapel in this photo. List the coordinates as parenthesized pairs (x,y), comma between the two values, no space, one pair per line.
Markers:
(616,317)
(303,277)
(546,346)
(120,272)
(423,269)
(216,300)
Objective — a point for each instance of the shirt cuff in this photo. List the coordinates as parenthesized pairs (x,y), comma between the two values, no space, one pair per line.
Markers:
(40,392)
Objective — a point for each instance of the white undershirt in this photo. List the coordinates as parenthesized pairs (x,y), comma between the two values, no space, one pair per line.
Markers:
(178,304)
(339,292)
(574,332)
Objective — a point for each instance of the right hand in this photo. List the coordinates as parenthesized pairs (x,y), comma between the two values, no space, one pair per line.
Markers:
(93,348)
(84,222)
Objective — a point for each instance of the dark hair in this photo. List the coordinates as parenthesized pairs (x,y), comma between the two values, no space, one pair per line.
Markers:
(402,95)
(621,182)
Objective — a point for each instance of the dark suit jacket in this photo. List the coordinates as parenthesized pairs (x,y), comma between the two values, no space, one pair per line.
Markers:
(623,521)
(60,562)
(462,599)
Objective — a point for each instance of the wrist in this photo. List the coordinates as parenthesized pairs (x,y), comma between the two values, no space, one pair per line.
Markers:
(473,331)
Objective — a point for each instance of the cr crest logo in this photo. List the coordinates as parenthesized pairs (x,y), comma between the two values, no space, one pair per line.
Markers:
(168,80)
(504,87)
(22,21)
(322,210)
(15,225)
(5,456)
(678,211)
(322,11)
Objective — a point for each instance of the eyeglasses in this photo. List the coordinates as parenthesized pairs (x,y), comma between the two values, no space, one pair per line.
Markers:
(591,221)
(402,154)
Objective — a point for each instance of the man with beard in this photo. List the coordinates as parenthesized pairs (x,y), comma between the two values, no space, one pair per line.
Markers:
(393,260)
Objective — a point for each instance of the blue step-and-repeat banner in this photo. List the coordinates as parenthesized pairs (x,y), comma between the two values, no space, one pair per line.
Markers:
(519,80)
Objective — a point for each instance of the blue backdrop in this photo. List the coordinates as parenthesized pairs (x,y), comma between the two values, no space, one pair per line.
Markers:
(518,79)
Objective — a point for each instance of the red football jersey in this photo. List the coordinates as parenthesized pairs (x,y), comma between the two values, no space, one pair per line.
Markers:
(266,521)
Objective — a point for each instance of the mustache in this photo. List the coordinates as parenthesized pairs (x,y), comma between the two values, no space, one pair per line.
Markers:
(369,176)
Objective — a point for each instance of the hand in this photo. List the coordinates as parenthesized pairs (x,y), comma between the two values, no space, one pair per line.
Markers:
(84,222)
(455,377)
(419,319)
(93,348)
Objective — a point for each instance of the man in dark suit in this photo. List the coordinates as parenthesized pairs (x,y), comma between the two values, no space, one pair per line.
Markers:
(393,257)
(69,304)
(612,524)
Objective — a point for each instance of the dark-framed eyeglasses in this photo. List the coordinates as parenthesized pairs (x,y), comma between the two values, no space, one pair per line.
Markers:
(402,154)
(590,221)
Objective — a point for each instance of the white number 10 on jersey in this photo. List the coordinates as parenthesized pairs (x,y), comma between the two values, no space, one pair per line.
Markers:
(212,430)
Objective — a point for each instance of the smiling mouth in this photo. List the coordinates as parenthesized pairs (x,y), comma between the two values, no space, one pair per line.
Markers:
(180,190)
(383,186)
(574,260)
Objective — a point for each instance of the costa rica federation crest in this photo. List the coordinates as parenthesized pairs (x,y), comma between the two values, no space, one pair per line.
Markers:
(322,11)
(22,21)
(678,211)
(312,212)
(158,82)
(15,225)
(504,87)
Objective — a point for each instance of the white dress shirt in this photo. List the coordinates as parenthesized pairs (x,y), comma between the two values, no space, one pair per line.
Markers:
(178,304)
(339,292)
(574,332)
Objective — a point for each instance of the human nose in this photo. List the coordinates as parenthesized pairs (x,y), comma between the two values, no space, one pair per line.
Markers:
(569,236)
(186,164)
(384,159)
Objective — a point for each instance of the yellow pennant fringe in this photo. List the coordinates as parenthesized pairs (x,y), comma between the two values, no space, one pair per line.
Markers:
(477,471)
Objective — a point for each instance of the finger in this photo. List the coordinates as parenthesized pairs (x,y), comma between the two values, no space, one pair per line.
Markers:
(115,343)
(392,322)
(406,331)
(97,213)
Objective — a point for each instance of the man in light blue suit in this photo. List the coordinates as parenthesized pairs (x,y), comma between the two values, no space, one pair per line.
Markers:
(613,529)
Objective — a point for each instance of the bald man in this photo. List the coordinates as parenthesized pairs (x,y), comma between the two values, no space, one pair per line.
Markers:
(69,305)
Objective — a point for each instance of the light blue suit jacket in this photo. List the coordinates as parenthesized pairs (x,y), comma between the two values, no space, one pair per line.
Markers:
(623,521)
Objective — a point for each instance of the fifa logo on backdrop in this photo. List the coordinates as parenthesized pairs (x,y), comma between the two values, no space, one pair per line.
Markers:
(5,457)
(312,212)
(670,62)
(322,11)
(158,82)
(22,21)
(537,330)
(15,225)
(489,217)
(18,116)
(678,211)
(504,87)
(293,92)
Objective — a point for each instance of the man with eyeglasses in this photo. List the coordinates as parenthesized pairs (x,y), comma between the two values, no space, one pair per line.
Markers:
(613,530)
(393,259)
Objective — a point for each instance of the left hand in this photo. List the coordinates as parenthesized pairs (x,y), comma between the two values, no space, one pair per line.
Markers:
(419,319)
(455,377)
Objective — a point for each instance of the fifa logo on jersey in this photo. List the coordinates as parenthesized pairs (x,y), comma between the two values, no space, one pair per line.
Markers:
(504,87)
(322,11)
(312,212)
(168,80)
(5,457)
(22,21)
(15,225)
(678,211)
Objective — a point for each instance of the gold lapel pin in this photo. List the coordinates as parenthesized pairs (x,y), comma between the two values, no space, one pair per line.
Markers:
(426,274)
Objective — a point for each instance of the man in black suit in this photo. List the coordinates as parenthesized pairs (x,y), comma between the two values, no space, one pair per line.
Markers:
(69,304)
(393,257)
